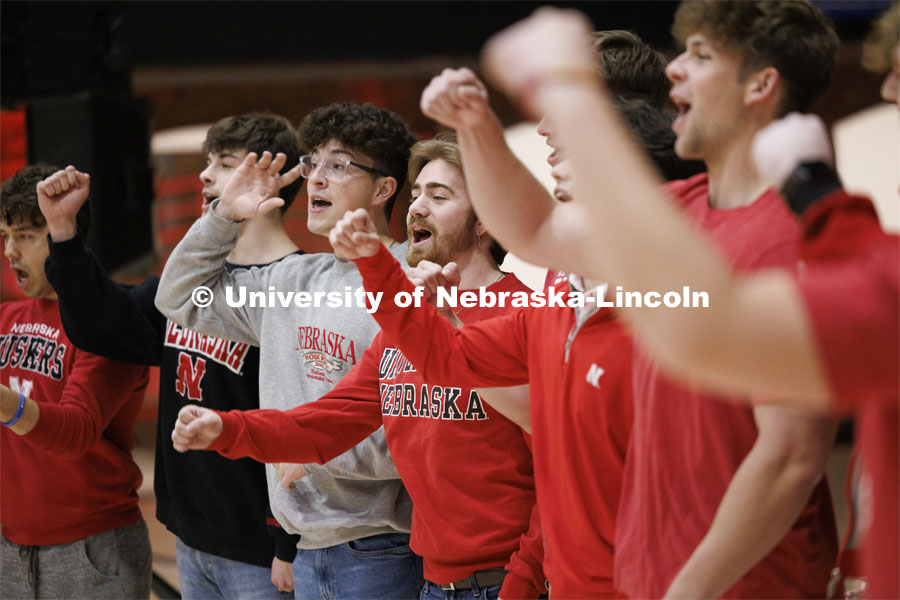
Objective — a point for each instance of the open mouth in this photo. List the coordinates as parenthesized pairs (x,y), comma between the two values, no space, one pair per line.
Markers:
(317,204)
(419,236)
(21,277)
(683,109)
(208,197)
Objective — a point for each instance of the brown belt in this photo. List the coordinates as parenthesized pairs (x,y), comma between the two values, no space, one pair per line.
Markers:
(484,578)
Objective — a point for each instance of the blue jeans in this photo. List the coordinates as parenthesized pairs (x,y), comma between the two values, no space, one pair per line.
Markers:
(203,575)
(431,591)
(380,566)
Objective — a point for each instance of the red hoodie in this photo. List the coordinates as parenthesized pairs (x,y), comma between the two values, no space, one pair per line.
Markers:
(467,468)
(581,411)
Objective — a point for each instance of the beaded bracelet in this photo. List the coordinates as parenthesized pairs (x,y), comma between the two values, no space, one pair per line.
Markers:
(18,414)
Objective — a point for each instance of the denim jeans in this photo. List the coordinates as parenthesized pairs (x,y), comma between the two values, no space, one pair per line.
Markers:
(380,566)
(205,576)
(432,591)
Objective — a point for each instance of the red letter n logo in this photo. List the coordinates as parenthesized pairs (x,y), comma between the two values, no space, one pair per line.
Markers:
(188,378)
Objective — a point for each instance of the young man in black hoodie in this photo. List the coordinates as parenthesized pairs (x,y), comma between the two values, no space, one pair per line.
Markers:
(218,509)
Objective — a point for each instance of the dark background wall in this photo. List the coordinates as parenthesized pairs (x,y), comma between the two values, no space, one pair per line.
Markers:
(195,62)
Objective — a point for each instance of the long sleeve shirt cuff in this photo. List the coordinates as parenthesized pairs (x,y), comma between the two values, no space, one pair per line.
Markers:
(231,426)
(286,547)
(516,587)
(218,229)
(66,250)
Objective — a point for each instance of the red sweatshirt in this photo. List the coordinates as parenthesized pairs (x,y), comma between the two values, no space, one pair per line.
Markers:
(72,476)
(581,411)
(851,287)
(468,469)
(686,444)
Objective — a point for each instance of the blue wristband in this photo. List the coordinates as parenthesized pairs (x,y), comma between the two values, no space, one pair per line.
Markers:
(18,414)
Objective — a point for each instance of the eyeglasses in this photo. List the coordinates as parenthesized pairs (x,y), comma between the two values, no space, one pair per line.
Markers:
(335,169)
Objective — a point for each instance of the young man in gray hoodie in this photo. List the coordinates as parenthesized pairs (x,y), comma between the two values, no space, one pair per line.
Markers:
(353,513)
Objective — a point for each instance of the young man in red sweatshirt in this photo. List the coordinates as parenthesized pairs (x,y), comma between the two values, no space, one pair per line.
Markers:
(467,468)
(821,339)
(685,527)
(69,512)
(577,362)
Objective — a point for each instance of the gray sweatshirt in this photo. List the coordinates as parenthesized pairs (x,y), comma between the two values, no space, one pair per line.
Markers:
(304,352)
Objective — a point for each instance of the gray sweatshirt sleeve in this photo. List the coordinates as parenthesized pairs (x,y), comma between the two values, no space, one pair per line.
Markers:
(199,260)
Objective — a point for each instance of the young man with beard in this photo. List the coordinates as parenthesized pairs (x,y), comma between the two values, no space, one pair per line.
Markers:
(353,512)
(822,339)
(698,534)
(70,518)
(223,548)
(467,468)
(564,352)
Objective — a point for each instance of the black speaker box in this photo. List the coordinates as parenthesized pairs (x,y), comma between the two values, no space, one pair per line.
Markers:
(108,136)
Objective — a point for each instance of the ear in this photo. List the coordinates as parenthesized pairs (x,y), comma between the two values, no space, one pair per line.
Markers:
(385,189)
(479,228)
(762,86)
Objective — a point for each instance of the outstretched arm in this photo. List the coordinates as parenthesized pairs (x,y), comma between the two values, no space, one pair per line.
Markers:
(755,336)
(99,315)
(488,353)
(96,390)
(340,432)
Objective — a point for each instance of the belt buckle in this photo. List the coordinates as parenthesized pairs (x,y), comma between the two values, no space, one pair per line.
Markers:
(451,587)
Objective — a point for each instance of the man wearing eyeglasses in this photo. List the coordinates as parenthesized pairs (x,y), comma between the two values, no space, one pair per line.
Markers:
(353,513)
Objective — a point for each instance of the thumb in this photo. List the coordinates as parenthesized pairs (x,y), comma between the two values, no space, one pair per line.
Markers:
(268,205)
(451,273)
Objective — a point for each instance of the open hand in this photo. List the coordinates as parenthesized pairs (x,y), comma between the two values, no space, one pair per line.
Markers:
(253,188)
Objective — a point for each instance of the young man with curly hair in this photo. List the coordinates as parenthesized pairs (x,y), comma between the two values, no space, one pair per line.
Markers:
(476,527)
(352,513)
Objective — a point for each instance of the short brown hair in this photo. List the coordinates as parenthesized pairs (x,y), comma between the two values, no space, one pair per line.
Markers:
(630,67)
(259,132)
(19,203)
(444,146)
(793,36)
(884,37)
